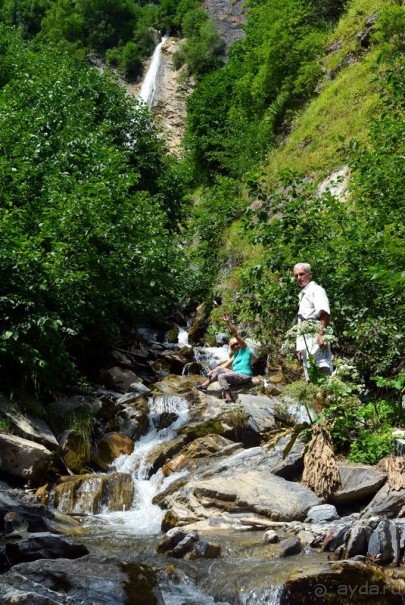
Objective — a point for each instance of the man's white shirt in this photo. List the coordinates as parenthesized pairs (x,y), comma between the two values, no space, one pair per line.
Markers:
(312,300)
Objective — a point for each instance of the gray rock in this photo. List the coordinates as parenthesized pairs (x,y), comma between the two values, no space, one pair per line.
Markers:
(336,536)
(270,537)
(34,429)
(128,398)
(291,546)
(184,546)
(257,491)
(132,422)
(74,582)
(289,466)
(41,545)
(386,503)
(139,387)
(15,522)
(263,412)
(384,543)
(171,538)
(25,459)
(203,550)
(358,481)
(306,537)
(322,514)
(118,379)
(357,540)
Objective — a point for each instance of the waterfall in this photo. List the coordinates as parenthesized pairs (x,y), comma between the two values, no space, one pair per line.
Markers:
(145,518)
(148,88)
(210,357)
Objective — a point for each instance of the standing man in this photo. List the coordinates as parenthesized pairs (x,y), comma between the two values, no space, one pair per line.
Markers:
(313,307)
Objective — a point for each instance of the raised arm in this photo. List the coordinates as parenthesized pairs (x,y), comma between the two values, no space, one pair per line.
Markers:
(234,331)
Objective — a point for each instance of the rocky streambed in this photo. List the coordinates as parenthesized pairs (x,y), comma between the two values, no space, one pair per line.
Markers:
(176,497)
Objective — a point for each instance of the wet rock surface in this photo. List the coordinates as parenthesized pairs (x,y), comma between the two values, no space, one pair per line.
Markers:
(231,498)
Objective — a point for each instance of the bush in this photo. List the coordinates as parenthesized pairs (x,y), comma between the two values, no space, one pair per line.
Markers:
(130,61)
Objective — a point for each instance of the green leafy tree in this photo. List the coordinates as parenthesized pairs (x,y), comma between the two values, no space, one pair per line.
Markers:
(88,244)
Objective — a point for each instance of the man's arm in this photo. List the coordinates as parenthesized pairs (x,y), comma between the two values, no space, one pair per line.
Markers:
(324,318)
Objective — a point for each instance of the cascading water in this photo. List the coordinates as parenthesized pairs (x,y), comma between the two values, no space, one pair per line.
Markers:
(145,518)
(148,88)
(137,530)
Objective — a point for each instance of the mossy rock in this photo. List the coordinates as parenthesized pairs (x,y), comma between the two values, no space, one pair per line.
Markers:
(173,335)
(142,585)
(213,426)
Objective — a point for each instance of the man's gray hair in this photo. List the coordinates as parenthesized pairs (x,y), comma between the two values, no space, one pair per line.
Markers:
(307,267)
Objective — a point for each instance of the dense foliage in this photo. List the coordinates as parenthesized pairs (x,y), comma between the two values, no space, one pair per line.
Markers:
(271,71)
(89,202)
(354,245)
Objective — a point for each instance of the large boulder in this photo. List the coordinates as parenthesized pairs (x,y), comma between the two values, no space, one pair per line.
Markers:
(133,420)
(89,494)
(384,542)
(263,412)
(41,545)
(236,489)
(118,379)
(33,429)
(386,503)
(89,579)
(358,482)
(260,492)
(24,459)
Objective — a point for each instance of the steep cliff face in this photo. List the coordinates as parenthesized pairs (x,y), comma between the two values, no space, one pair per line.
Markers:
(172,88)
(229,18)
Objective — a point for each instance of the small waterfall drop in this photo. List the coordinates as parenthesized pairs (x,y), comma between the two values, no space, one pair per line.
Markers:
(148,88)
(145,518)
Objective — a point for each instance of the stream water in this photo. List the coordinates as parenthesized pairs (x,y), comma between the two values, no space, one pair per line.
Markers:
(248,572)
(145,518)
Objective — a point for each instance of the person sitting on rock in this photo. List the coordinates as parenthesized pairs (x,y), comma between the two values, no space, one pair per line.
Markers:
(237,370)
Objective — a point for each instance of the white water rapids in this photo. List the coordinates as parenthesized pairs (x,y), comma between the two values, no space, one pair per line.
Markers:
(145,518)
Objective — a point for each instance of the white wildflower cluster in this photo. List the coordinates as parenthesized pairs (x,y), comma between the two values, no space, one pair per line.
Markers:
(344,379)
(306,328)
(344,369)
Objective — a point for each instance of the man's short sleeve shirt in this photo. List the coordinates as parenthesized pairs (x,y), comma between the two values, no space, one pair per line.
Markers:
(312,300)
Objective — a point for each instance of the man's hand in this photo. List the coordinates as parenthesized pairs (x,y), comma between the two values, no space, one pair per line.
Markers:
(320,340)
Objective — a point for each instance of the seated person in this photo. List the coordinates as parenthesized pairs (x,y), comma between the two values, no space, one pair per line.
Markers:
(237,370)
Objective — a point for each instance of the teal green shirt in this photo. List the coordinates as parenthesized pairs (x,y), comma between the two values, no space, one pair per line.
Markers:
(242,362)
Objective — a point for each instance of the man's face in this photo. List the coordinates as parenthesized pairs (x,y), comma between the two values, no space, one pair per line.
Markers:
(301,276)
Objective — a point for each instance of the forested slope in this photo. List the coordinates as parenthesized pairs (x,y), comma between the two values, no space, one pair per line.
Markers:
(99,223)
(314,90)
(293,104)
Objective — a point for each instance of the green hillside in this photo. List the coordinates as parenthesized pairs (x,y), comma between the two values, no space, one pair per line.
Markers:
(101,225)
(352,119)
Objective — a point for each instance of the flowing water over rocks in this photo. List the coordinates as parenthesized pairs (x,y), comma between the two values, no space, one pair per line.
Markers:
(208,508)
